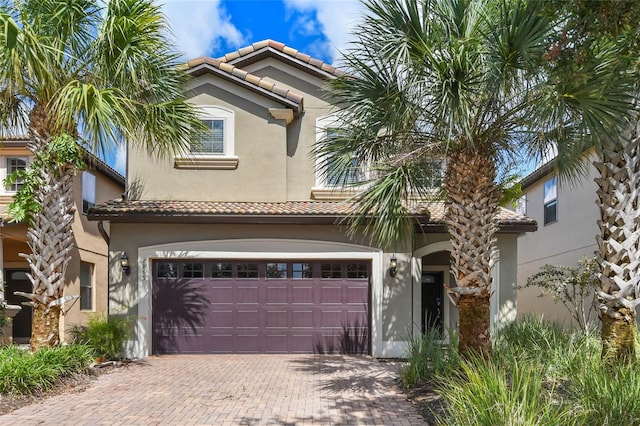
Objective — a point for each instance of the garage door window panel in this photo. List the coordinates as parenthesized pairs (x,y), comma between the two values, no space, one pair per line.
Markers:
(301,271)
(357,271)
(167,270)
(331,271)
(222,271)
(193,270)
(247,271)
(276,271)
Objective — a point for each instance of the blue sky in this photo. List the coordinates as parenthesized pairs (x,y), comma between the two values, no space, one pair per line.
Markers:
(320,28)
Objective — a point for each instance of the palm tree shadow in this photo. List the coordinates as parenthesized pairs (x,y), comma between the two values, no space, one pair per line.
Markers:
(179,307)
(353,338)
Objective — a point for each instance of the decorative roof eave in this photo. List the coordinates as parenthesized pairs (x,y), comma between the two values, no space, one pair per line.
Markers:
(261,86)
(538,174)
(92,160)
(307,212)
(271,48)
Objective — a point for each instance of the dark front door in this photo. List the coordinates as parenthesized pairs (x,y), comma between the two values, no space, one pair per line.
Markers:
(17,281)
(432,291)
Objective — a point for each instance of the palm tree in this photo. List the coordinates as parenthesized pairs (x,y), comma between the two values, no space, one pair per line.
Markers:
(86,72)
(588,28)
(469,83)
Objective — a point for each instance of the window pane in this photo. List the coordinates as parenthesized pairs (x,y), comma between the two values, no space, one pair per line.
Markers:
(343,171)
(247,270)
(211,140)
(302,271)
(357,270)
(86,286)
(331,270)
(13,165)
(88,191)
(222,270)
(193,270)
(167,270)
(550,212)
(277,271)
(550,190)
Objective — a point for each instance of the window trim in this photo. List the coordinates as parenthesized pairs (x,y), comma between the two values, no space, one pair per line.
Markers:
(547,203)
(95,189)
(92,299)
(322,190)
(227,160)
(8,190)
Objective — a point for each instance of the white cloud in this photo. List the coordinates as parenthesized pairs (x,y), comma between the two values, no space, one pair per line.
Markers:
(337,19)
(199,26)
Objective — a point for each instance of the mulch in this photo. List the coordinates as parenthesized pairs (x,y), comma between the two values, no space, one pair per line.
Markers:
(426,400)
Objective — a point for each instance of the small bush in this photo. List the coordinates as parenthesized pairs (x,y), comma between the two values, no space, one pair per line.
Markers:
(106,337)
(607,395)
(484,393)
(24,373)
(574,287)
(427,357)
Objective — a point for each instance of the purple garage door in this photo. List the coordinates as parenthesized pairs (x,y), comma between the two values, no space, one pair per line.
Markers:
(260,306)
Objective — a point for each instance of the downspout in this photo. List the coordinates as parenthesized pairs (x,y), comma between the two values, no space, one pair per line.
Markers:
(103,232)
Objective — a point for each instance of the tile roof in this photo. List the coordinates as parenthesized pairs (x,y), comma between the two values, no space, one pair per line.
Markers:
(261,85)
(280,48)
(432,213)
(230,67)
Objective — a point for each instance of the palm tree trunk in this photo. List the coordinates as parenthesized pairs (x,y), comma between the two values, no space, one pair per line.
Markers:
(471,219)
(618,249)
(50,239)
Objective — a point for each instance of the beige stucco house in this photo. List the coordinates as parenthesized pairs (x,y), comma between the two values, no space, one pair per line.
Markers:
(567,215)
(239,246)
(86,274)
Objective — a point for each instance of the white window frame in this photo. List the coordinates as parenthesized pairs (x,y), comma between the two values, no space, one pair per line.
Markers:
(549,199)
(92,286)
(213,112)
(322,124)
(5,165)
(89,187)
(227,160)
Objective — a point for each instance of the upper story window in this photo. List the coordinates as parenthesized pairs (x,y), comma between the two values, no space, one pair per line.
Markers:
(521,205)
(88,191)
(551,200)
(337,170)
(217,142)
(212,139)
(13,164)
(218,139)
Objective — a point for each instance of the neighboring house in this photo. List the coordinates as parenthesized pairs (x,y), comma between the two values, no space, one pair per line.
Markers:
(87,272)
(240,246)
(567,215)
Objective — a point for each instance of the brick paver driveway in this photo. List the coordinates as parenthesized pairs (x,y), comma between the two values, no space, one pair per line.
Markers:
(233,389)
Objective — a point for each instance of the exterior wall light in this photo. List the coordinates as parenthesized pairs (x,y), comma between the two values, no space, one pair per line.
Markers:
(393,265)
(124,263)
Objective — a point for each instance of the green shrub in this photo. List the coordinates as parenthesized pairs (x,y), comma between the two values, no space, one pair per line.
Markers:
(23,373)
(607,395)
(428,357)
(546,344)
(485,393)
(106,337)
